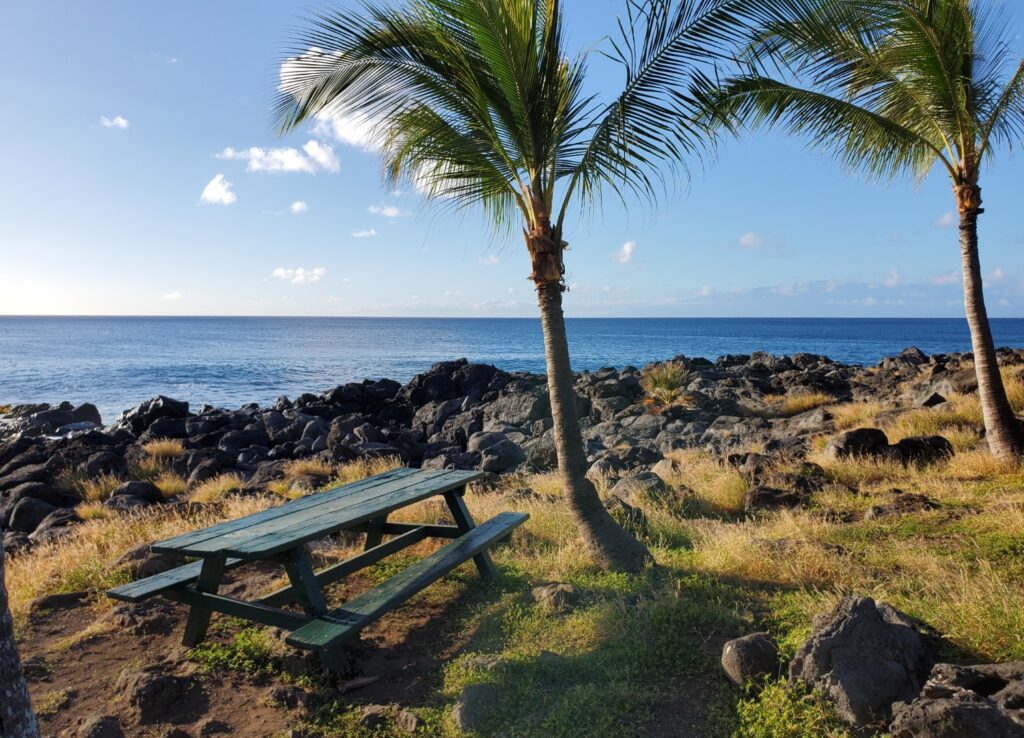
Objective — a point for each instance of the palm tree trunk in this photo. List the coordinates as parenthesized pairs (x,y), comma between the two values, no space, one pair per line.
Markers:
(1003,430)
(611,547)
(16,718)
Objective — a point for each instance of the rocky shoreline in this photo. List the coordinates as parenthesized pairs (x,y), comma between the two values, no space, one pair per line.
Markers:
(470,416)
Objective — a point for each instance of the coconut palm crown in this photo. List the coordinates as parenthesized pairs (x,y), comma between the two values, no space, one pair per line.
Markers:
(895,87)
(477,103)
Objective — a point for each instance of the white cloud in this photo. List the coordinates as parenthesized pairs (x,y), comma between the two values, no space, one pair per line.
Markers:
(625,252)
(173,296)
(893,279)
(298,207)
(300,275)
(314,156)
(489,260)
(322,154)
(944,279)
(996,275)
(118,121)
(704,291)
(751,241)
(218,192)
(353,130)
(946,220)
(368,233)
(388,211)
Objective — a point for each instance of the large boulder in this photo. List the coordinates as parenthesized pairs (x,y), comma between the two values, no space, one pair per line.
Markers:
(922,450)
(138,419)
(857,442)
(497,452)
(964,702)
(864,656)
(28,514)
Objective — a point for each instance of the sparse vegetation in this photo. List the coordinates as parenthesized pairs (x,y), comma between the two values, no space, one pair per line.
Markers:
(665,383)
(633,639)
(217,488)
(163,449)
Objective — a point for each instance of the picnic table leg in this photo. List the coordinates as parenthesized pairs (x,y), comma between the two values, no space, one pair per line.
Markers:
(300,573)
(465,523)
(209,580)
(375,532)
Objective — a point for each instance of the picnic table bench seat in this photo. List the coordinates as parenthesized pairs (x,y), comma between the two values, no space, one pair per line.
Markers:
(281,535)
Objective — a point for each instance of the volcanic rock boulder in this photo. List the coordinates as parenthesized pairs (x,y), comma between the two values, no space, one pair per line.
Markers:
(864,656)
(752,658)
(965,701)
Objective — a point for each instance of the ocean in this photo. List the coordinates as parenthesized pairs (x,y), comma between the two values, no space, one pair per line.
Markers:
(118,362)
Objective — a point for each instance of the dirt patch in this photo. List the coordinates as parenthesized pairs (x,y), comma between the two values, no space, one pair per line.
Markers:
(78,653)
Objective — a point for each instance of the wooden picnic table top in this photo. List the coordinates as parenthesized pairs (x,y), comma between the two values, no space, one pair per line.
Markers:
(285,527)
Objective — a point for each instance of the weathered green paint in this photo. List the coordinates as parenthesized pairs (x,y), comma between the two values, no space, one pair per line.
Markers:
(196,536)
(209,580)
(257,612)
(160,583)
(327,631)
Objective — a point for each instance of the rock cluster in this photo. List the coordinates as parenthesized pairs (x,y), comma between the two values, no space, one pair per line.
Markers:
(469,416)
(877,666)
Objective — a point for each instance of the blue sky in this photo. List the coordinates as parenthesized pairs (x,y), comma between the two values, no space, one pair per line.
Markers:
(121,115)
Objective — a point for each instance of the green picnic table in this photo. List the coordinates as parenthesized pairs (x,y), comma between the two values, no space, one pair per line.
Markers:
(282,535)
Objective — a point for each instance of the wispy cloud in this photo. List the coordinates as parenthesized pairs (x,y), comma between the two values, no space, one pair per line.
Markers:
(625,252)
(388,211)
(218,192)
(172,296)
(893,279)
(368,233)
(489,260)
(943,279)
(314,157)
(300,275)
(996,275)
(298,207)
(118,121)
(946,220)
(751,240)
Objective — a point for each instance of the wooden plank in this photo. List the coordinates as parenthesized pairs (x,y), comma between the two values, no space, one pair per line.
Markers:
(431,530)
(465,523)
(360,561)
(286,525)
(158,583)
(254,611)
(308,526)
(327,631)
(307,590)
(193,537)
(209,580)
(375,532)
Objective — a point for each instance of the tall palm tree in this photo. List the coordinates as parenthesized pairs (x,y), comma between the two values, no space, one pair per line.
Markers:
(478,103)
(893,87)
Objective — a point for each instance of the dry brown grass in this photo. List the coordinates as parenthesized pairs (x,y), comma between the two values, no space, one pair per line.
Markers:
(856,414)
(84,560)
(216,489)
(786,406)
(98,488)
(164,448)
(717,489)
(353,471)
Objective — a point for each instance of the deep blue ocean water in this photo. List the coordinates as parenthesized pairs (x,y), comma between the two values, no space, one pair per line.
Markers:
(118,362)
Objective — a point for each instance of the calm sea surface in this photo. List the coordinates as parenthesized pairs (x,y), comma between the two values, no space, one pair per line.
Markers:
(118,362)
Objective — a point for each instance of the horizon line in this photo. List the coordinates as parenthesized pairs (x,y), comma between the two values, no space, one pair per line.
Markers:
(493,317)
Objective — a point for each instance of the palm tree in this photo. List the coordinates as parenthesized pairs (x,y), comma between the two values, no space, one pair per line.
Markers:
(477,103)
(16,717)
(893,87)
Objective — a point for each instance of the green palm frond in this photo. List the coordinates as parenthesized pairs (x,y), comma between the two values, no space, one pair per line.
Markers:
(888,86)
(479,103)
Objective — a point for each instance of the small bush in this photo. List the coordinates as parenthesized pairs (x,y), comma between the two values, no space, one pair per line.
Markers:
(99,488)
(782,711)
(664,384)
(164,448)
(170,484)
(216,489)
